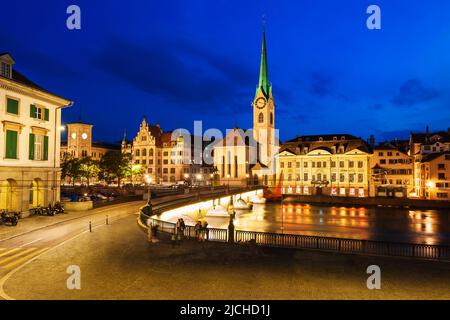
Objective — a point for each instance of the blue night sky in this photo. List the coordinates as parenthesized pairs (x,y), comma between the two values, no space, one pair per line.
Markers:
(180,61)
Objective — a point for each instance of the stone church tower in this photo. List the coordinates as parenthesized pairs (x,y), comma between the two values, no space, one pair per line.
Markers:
(264,111)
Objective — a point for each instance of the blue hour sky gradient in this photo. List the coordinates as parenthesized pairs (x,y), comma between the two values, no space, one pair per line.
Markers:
(180,61)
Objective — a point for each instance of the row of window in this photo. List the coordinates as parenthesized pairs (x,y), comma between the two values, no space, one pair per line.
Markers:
(396,181)
(36,112)
(323,177)
(138,152)
(322,164)
(396,161)
(143,153)
(37,147)
(389,153)
(164,162)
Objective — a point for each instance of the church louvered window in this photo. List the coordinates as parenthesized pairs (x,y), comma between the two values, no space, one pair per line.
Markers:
(261,118)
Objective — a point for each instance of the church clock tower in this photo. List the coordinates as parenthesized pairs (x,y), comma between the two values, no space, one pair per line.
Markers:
(264,110)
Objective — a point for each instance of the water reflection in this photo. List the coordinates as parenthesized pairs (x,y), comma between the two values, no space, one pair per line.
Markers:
(389,224)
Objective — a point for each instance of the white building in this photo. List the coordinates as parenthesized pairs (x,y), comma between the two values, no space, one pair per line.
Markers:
(30,119)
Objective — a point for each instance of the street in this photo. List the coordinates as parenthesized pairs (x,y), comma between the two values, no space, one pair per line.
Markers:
(117,262)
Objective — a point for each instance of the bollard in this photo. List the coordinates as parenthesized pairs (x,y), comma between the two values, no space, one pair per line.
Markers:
(107,222)
(90,226)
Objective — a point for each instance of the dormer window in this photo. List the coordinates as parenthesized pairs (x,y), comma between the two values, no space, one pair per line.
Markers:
(6,70)
(343,138)
(320,139)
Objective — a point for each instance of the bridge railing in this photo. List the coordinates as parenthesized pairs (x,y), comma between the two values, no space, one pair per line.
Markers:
(369,247)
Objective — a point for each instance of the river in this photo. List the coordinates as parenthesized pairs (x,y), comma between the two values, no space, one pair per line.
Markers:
(385,224)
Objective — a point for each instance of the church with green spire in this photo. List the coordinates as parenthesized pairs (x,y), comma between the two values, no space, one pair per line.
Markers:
(264,109)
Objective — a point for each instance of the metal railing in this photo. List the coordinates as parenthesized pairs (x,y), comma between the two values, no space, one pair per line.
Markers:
(353,246)
(367,247)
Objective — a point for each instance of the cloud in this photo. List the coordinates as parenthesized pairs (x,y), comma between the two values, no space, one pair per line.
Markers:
(180,72)
(413,92)
(320,84)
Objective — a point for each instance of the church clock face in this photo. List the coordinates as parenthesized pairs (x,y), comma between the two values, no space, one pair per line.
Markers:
(260,103)
(74,135)
(84,135)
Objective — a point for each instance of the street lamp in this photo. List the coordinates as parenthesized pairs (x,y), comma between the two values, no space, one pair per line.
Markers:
(246,180)
(430,184)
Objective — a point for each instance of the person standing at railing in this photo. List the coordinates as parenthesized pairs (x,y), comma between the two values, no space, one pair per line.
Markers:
(205,235)
(197,228)
(182,228)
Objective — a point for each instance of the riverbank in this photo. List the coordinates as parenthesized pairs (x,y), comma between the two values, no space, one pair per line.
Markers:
(369,202)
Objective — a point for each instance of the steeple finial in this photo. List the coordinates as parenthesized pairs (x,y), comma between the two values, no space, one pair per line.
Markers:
(264,84)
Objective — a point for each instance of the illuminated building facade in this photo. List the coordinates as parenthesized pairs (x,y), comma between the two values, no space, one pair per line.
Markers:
(429,152)
(166,158)
(29,141)
(392,170)
(337,165)
(79,143)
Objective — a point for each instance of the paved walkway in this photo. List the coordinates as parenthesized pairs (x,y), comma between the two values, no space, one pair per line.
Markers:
(36,222)
(117,262)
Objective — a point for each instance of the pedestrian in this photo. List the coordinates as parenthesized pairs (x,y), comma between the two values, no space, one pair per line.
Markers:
(178,226)
(197,228)
(182,227)
(205,230)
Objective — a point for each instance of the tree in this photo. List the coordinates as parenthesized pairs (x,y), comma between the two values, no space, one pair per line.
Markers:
(114,165)
(135,170)
(89,168)
(71,167)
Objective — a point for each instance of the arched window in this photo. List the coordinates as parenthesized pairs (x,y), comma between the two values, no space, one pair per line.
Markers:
(144,152)
(151,152)
(271,118)
(261,118)
(138,153)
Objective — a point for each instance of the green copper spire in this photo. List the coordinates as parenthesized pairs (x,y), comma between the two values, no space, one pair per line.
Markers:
(264,83)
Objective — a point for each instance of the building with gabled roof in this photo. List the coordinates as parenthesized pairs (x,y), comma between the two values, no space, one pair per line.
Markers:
(392,170)
(166,157)
(29,141)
